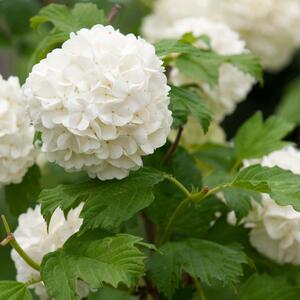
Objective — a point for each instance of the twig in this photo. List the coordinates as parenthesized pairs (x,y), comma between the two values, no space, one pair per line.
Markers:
(174,146)
(113,13)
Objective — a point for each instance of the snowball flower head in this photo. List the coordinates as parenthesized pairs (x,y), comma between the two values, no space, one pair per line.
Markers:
(269,27)
(276,229)
(233,85)
(16,133)
(101,102)
(36,241)
(167,12)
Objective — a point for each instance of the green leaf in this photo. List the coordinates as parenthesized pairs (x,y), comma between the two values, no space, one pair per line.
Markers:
(57,14)
(12,290)
(19,197)
(289,107)
(240,201)
(204,65)
(88,15)
(282,185)
(110,260)
(256,138)
(64,21)
(50,42)
(170,46)
(83,15)
(107,203)
(262,287)
(211,262)
(167,196)
(249,64)
(215,157)
(108,293)
(195,220)
(185,102)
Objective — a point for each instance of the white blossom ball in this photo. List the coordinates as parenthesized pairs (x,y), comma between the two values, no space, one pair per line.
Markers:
(233,85)
(269,27)
(275,229)
(36,241)
(100,102)
(167,12)
(16,133)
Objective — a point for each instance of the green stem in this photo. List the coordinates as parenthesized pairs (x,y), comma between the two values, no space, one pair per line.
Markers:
(191,198)
(178,211)
(33,281)
(235,167)
(12,241)
(179,185)
(199,288)
(201,196)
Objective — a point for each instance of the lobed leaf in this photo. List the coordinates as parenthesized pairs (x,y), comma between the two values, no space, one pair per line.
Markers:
(282,185)
(185,102)
(110,260)
(256,139)
(64,21)
(202,259)
(170,46)
(107,203)
(289,107)
(204,64)
(239,201)
(262,287)
(13,290)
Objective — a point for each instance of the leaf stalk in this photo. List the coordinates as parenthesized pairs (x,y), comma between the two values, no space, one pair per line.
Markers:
(10,239)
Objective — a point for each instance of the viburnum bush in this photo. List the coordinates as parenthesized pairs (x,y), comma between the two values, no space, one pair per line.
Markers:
(114,161)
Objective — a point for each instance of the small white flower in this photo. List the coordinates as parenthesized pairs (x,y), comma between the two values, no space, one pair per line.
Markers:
(36,241)
(101,102)
(276,229)
(233,85)
(16,133)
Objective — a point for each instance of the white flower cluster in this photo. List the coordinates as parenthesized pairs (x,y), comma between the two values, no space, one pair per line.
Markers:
(36,241)
(269,27)
(167,12)
(233,85)
(101,102)
(276,229)
(16,133)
